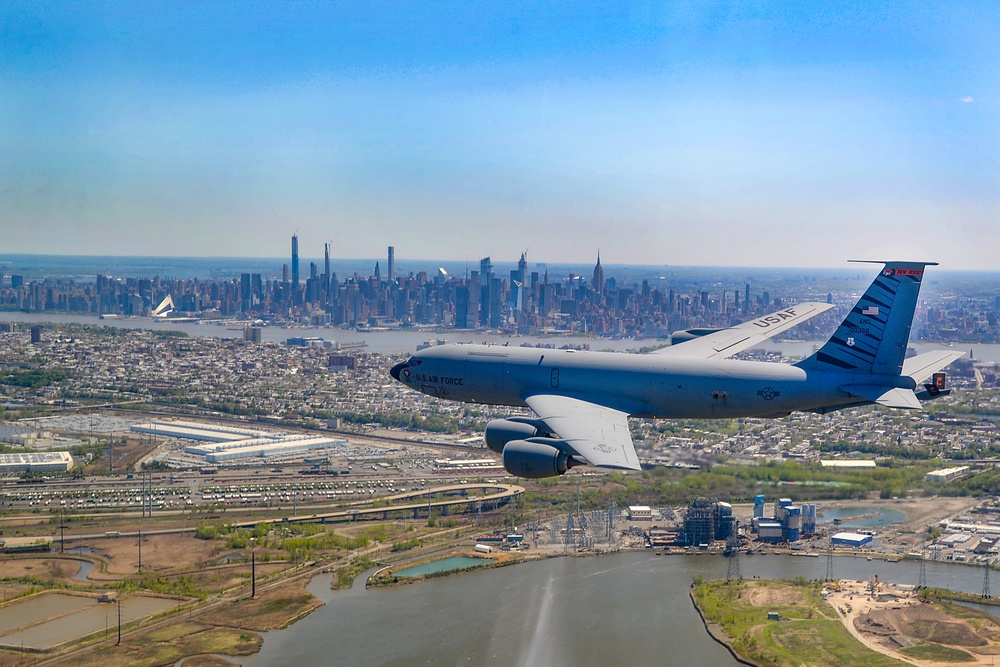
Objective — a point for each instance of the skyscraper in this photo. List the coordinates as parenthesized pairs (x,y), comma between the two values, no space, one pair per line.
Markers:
(326,268)
(295,261)
(485,278)
(392,264)
(598,285)
(246,294)
(257,288)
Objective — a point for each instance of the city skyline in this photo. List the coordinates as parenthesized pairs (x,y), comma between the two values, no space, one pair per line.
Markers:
(702,135)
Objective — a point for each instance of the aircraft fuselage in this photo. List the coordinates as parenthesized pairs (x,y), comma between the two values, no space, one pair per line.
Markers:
(646,385)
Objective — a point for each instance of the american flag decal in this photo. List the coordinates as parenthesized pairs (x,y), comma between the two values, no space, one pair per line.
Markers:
(870,310)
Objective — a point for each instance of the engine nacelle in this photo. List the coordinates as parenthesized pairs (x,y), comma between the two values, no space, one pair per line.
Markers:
(535,458)
(501,431)
(685,335)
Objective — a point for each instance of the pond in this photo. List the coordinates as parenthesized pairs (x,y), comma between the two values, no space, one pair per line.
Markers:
(861,517)
(443,565)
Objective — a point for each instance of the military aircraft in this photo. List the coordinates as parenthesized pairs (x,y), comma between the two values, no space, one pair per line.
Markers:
(583,399)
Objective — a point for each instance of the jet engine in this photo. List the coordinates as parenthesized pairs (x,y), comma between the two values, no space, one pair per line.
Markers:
(684,335)
(501,431)
(535,458)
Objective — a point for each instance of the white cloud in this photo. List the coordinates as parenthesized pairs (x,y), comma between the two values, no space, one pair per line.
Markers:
(967,99)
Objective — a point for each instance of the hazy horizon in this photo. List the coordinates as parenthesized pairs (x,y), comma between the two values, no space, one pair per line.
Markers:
(404,264)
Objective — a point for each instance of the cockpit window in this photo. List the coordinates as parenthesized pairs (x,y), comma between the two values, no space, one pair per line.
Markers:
(413,362)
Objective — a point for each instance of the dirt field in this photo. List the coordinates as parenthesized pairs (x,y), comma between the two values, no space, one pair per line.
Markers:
(895,620)
(159,553)
(63,570)
(166,556)
(769,596)
(920,622)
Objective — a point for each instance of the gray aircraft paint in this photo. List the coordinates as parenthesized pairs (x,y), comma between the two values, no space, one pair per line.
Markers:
(641,385)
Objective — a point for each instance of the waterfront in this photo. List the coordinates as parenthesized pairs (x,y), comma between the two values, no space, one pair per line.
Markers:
(628,608)
(403,342)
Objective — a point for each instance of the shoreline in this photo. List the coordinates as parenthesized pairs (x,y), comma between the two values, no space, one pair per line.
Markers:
(888,619)
(717,634)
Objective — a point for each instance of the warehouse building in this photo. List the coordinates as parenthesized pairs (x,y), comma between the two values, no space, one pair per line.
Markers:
(195,431)
(947,474)
(850,539)
(22,462)
(262,448)
(234,444)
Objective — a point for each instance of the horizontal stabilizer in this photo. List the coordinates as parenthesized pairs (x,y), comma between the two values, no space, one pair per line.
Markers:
(930,392)
(889,397)
(924,365)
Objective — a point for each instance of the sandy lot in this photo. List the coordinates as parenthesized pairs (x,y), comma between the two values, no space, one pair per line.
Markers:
(896,617)
(159,553)
(769,596)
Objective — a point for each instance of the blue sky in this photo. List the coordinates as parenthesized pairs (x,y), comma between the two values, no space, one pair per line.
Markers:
(685,133)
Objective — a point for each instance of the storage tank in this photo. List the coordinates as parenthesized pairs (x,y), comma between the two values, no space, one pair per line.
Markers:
(793,535)
(793,517)
(809,518)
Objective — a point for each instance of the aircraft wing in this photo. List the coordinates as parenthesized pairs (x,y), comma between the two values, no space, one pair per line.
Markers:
(924,365)
(727,342)
(595,433)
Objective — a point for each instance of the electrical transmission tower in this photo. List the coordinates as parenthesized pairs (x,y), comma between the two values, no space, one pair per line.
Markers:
(733,553)
(986,579)
(923,566)
(829,562)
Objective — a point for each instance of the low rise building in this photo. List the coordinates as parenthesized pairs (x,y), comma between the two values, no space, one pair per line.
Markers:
(851,539)
(21,462)
(946,474)
(640,513)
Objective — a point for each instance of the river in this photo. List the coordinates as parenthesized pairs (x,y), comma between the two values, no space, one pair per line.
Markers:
(623,609)
(402,342)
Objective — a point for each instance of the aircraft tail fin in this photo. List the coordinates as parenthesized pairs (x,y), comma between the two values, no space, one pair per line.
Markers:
(873,337)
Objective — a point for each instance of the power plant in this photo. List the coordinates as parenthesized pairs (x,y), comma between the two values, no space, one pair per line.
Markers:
(788,523)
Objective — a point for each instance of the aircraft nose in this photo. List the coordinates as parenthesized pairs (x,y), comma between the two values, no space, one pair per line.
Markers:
(396,370)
